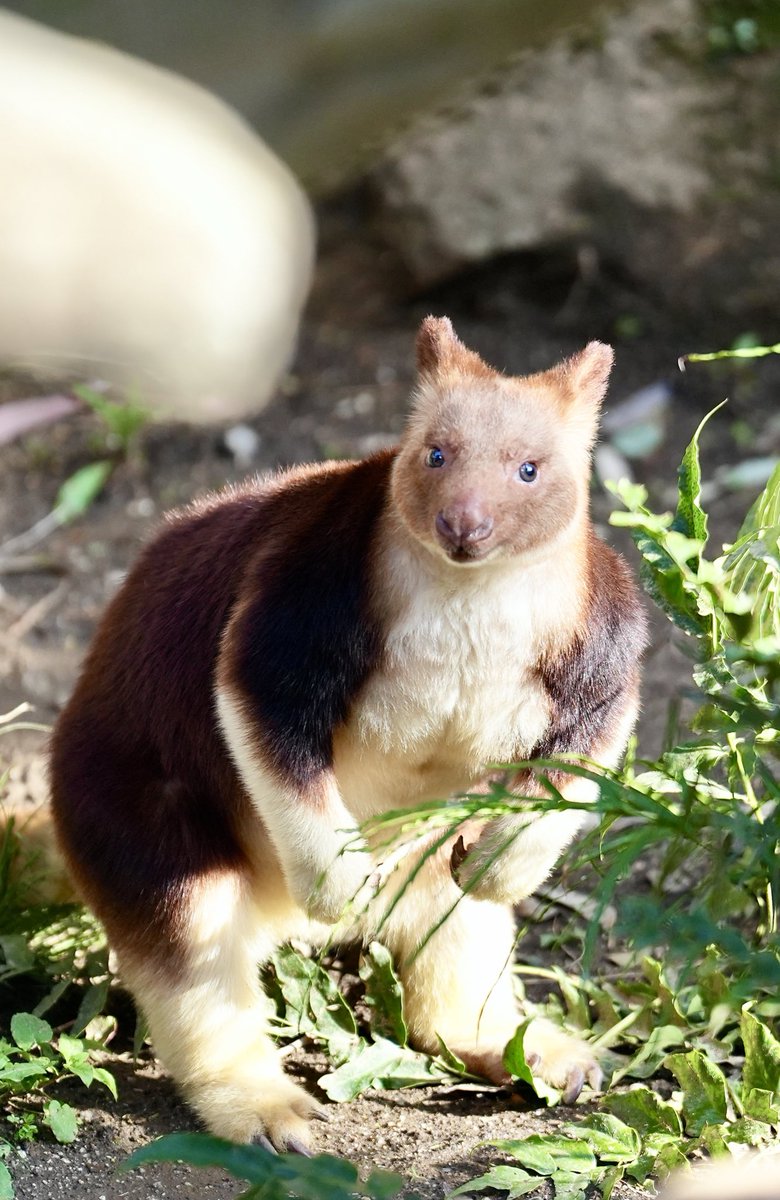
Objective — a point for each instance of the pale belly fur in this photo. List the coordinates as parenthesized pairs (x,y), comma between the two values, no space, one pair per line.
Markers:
(457,692)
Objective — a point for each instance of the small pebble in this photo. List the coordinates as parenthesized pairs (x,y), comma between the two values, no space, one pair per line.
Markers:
(364,404)
(142,508)
(243,442)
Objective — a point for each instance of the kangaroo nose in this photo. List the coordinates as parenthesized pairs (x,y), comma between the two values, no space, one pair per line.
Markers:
(464,526)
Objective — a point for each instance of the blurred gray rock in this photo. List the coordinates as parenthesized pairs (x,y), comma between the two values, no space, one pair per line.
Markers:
(630,141)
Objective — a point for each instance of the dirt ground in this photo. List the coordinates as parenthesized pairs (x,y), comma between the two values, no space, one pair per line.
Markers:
(345,395)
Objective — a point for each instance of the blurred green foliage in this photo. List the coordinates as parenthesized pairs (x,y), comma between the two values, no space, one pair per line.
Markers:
(742,26)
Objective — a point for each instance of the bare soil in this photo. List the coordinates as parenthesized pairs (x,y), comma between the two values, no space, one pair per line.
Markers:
(345,395)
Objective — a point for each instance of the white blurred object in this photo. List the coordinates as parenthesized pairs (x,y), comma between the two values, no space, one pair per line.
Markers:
(243,442)
(637,425)
(145,230)
(748,1176)
(611,464)
(649,403)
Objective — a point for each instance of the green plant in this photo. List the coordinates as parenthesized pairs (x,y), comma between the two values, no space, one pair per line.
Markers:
(641,1134)
(59,953)
(271,1176)
(711,800)
(308,1002)
(737,351)
(741,26)
(74,497)
(55,946)
(31,1063)
(123,419)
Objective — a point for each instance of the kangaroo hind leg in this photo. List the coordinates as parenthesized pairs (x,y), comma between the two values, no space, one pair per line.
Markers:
(208,1018)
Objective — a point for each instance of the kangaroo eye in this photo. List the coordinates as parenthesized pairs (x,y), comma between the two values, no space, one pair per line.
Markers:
(527,471)
(434,457)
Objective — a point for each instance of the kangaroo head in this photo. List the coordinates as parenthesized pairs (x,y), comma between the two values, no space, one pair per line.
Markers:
(492,466)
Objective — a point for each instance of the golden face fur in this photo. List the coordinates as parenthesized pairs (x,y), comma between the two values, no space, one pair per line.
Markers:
(492,467)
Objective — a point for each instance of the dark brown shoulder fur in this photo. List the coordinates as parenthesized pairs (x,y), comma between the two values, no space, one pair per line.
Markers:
(305,639)
(593,679)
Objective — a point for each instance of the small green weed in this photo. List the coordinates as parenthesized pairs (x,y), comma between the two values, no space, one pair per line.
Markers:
(80,490)
(122,420)
(711,801)
(639,1134)
(271,1176)
(55,951)
(121,423)
(31,1063)
(55,946)
(309,1002)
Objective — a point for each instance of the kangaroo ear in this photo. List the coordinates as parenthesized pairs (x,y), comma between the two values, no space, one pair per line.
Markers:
(440,351)
(585,375)
(437,342)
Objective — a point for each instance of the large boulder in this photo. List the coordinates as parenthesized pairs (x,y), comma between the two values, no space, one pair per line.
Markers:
(633,140)
(147,235)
